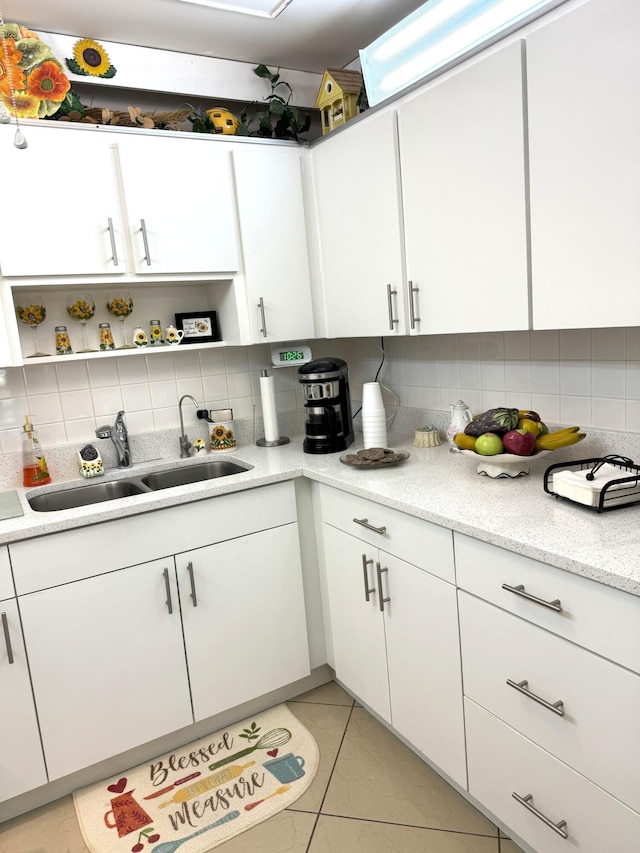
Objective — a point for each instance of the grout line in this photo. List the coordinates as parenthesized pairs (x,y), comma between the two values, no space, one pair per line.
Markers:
(344,734)
(412,826)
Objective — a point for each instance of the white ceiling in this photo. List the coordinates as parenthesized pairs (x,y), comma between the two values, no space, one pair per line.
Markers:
(309,35)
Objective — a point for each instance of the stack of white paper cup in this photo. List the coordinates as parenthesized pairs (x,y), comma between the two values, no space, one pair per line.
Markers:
(374,419)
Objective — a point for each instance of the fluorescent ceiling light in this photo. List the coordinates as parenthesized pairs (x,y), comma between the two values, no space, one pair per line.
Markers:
(257,8)
(436,34)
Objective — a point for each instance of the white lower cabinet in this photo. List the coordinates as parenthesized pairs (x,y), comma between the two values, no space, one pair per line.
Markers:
(122,655)
(107,662)
(21,760)
(244,619)
(394,626)
(506,769)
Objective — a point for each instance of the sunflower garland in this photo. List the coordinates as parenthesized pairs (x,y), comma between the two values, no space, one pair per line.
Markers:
(90,59)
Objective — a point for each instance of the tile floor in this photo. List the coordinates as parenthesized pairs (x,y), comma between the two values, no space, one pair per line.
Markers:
(371,795)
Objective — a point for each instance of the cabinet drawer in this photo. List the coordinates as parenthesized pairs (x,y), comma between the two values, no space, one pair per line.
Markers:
(502,762)
(599,734)
(412,539)
(6,581)
(89,551)
(602,619)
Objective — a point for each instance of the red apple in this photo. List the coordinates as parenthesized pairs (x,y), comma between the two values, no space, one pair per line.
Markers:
(520,442)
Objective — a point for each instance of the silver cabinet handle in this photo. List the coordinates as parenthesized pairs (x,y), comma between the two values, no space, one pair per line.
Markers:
(147,253)
(367,590)
(523,687)
(7,637)
(412,307)
(391,293)
(167,586)
(520,590)
(381,598)
(526,802)
(192,581)
(263,330)
(364,522)
(112,236)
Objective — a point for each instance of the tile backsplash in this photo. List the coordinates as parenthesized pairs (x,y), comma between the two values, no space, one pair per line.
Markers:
(585,377)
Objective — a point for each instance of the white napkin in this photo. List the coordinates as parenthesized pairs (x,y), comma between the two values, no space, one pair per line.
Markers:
(575,486)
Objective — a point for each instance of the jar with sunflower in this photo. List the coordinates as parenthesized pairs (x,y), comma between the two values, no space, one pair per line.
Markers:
(63,344)
(222,434)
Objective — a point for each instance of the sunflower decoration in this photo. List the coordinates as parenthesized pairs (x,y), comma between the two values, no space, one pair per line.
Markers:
(90,59)
(29,69)
(222,438)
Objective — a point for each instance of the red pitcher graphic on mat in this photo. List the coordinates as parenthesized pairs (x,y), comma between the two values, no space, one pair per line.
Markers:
(126,814)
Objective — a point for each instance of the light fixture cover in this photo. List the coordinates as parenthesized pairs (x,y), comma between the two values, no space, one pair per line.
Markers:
(437,33)
(257,8)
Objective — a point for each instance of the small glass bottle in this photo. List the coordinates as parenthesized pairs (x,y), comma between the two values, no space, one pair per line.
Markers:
(34,466)
(63,344)
(155,333)
(106,337)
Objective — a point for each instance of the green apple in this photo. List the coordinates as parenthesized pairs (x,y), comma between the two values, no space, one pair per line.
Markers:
(489,444)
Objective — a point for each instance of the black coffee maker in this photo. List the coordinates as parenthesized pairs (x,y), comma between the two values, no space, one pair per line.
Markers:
(327,403)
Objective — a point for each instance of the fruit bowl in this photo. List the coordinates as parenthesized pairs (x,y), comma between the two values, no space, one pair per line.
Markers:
(504,464)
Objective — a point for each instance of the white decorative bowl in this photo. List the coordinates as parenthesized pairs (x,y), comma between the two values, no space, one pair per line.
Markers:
(504,464)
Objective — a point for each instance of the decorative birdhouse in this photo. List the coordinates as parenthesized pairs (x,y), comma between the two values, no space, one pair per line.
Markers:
(337,97)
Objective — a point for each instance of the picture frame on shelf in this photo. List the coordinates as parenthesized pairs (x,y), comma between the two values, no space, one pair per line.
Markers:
(199,327)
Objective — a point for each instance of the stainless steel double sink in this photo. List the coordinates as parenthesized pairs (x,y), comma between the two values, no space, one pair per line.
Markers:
(69,498)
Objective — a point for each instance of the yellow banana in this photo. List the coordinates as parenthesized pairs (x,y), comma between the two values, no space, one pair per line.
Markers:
(554,441)
(527,414)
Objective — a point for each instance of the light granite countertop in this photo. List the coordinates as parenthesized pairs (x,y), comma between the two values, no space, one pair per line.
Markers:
(433,484)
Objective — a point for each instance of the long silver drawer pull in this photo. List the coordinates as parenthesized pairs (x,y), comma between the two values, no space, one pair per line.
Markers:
(523,687)
(7,637)
(381,598)
(147,253)
(192,581)
(526,802)
(520,590)
(365,523)
(391,293)
(263,330)
(412,307)
(367,590)
(168,602)
(113,242)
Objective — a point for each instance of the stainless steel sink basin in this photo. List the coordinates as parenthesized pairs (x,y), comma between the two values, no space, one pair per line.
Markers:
(85,495)
(192,474)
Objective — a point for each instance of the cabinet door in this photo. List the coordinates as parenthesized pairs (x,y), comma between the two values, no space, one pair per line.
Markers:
(244,618)
(423,651)
(274,242)
(21,760)
(357,188)
(357,624)
(463,189)
(584,136)
(59,213)
(107,662)
(180,207)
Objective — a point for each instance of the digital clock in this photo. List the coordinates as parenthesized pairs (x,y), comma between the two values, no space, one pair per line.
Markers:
(290,356)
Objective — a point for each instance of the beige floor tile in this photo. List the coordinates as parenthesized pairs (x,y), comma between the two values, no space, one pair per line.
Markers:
(326,694)
(285,832)
(337,834)
(509,846)
(50,829)
(378,778)
(327,723)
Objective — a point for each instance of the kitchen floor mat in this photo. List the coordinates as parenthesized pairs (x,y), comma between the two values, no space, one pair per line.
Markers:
(204,793)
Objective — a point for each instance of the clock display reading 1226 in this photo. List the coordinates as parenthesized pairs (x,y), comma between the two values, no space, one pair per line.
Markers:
(290,356)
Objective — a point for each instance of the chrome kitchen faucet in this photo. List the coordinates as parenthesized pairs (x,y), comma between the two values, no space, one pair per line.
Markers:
(120,438)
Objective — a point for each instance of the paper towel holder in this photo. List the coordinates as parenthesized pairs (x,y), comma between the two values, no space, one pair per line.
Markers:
(263,442)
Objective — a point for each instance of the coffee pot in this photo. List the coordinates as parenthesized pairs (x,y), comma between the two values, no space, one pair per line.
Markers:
(460,417)
(327,405)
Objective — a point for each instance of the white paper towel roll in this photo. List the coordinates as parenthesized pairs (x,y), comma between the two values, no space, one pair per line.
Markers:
(269,413)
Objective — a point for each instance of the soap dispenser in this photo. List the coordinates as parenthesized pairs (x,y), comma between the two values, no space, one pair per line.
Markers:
(34,466)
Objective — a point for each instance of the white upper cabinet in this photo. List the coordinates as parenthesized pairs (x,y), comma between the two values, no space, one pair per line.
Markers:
(583,73)
(180,205)
(357,188)
(463,189)
(273,233)
(59,213)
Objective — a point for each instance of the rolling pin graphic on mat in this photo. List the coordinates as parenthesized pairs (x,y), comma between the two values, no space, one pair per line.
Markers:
(206,784)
